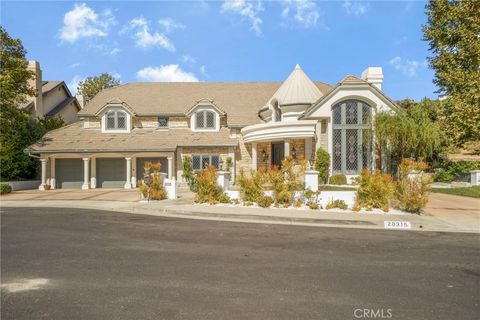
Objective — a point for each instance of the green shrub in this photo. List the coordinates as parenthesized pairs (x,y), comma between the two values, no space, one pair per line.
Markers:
(338,179)
(443,176)
(153,189)
(222,197)
(337,204)
(206,182)
(284,197)
(188,174)
(411,193)
(375,189)
(312,205)
(458,169)
(264,201)
(248,203)
(5,188)
(322,164)
(297,204)
(250,185)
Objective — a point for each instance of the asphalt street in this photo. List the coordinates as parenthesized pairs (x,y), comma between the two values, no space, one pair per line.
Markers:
(84,264)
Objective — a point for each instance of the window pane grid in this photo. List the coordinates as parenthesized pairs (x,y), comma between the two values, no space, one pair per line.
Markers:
(201,161)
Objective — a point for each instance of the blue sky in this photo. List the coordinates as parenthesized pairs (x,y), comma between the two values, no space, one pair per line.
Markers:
(226,40)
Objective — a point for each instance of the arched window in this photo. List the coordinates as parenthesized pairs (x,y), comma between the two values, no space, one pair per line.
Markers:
(352,137)
(116,120)
(205,120)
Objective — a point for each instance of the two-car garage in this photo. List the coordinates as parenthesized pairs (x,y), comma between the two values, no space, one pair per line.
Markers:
(109,172)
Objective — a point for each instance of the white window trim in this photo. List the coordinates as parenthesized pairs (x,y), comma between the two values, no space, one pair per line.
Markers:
(128,119)
(209,155)
(193,119)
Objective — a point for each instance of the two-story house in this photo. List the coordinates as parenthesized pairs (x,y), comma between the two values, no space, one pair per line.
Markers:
(252,123)
(52,98)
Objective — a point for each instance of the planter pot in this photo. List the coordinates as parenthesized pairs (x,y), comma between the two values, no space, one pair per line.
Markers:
(47,187)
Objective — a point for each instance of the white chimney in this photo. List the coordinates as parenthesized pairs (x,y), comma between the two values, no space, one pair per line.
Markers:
(36,84)
(374,75)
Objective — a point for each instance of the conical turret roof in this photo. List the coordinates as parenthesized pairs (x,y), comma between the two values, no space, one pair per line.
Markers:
(297,89)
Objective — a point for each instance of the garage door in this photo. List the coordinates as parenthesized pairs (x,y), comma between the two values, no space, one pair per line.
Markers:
(69,173)
(111,172)
(141,163)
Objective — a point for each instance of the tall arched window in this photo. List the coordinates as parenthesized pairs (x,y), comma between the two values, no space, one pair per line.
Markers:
(352,137)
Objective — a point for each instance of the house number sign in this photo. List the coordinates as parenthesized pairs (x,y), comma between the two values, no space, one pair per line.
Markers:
(397,225)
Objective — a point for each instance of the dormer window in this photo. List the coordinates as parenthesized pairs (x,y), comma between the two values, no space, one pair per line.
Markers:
(116,120)
(205,119)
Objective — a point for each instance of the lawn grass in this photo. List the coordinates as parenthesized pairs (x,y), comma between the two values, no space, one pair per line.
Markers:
(473,192)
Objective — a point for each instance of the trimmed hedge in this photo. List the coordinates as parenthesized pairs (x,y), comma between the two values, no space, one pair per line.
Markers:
(5,188)
(338,179)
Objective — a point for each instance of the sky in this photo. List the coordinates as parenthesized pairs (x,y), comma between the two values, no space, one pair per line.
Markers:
(232,40)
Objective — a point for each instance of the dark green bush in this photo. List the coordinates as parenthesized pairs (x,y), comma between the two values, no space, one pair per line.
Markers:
(322,163)
(5,188)
(264,201)
(459,169)
(338,179)
(443,176)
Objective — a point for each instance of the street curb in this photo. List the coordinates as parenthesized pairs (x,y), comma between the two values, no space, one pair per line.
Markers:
(239,218)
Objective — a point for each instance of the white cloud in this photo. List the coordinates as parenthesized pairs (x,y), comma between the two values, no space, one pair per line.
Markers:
(166,73)
(188,59)
(355,7)
(74,65)
(248,10)
(170,25)
(113,52)
(304,13)
(408,67)
(203,70)
(144,38)
(73,84)
(84,22)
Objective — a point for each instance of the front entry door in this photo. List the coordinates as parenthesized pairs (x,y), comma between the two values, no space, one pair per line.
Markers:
(278,153)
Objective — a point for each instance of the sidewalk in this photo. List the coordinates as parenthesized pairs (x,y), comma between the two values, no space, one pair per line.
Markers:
(469,224)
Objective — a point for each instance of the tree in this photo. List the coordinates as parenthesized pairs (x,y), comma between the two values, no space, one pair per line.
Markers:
(322,164)
(17,129)
(408,134)
(14,123)
(452,31)
(93,85)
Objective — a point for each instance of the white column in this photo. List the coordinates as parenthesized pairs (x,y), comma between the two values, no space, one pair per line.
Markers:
(179,164)
(44,162)
(128,183)
(170,167)
(86,173)
(308,149)
(52,173)
(287,148)
(93,174)
(254,156)
(231,154)
(134,172)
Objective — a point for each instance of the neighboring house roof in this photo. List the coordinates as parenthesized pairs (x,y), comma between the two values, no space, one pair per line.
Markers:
(48,86)
(297,89)
(239,100)
(75,138)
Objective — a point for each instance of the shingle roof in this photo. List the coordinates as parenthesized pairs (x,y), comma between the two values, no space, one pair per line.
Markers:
(240,100)
(48,86)
(75,138)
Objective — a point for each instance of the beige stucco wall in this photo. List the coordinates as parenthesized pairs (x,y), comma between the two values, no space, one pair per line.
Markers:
(53,98)
(69,113)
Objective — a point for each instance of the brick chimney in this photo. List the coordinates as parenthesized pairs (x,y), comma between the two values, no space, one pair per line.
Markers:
(374,75)
(36,83)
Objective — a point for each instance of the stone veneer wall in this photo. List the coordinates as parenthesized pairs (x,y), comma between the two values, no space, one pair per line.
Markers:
(145,122)
(268,150)
(299,145)
(178,122)
(243,155)
(92,123)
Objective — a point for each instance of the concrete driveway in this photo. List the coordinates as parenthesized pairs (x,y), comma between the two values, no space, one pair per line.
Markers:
(123,195)
(446,205)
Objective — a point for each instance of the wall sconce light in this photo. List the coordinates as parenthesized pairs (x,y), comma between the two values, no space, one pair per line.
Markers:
(264,155)
(294,153)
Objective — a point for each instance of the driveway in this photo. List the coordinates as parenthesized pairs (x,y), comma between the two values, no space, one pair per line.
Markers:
(87,264)
(446,205)
(122,195)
